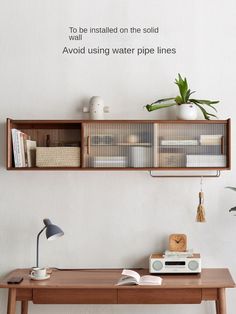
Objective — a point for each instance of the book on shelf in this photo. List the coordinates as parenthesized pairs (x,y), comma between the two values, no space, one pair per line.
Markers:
(206,160)
(31,153)
(23,139)
(131,277)
(22,149)
(178,142)
(16,147)
(211,139)
(108,161)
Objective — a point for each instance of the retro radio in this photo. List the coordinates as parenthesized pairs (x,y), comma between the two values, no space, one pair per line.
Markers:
(174,263)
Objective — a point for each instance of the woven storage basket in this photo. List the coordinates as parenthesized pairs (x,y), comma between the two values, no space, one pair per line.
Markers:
(57,157)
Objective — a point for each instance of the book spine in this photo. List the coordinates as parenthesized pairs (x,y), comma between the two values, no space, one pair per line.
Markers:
(28,153)
(15,147)
(19,149)
(22,150)
(31,153)
(25,137)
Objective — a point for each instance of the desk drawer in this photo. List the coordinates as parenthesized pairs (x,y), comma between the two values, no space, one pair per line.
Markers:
(159,296)
(74,296)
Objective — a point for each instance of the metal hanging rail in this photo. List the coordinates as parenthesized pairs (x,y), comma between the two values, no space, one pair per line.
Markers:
(216,175)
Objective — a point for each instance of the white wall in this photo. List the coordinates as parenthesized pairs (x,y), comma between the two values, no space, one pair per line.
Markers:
(113,219)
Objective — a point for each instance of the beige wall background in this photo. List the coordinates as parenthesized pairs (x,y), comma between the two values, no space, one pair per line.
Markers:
(113,219)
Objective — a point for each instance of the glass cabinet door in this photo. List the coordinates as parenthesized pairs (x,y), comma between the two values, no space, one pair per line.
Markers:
(191,145)
(118,145)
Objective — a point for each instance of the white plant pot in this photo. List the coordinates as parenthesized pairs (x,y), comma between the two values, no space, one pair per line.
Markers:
(186,112)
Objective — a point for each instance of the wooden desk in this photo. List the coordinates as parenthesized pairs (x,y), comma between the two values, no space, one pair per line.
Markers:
(99,287)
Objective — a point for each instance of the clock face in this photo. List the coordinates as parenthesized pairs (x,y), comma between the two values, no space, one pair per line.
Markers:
(178,242)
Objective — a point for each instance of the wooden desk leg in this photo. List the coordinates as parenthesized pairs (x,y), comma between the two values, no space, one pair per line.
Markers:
(217,307)
(24,307)
(11,306)
(221,301)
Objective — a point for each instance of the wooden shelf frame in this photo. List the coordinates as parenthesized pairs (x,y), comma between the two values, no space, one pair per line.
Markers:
(81,125)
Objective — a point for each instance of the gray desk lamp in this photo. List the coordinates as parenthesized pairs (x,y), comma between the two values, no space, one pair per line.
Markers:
(52,232)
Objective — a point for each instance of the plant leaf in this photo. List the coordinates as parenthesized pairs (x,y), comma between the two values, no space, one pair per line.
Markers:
(162,100)
(231,188)
(156,107)
(206,102)
(179,100)
(188,94)
(212,115)
(184,97)
(205,113)
(183,87)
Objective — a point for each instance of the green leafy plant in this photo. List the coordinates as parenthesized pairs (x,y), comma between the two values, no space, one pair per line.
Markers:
(184,98)
(234,189)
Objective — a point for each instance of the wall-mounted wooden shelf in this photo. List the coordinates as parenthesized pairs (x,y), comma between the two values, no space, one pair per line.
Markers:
(129,144)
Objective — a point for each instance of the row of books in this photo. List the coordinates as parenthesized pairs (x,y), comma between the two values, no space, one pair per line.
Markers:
(24,149)
(205,160)
(203,140)
(215,139)
(178,142)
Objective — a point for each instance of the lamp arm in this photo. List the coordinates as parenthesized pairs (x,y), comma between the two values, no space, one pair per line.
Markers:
(37,246)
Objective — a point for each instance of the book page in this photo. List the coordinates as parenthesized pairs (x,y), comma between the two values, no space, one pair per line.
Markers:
(150,280)
(131,273)
(127,280)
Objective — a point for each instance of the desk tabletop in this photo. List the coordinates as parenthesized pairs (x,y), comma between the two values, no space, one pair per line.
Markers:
(107,278)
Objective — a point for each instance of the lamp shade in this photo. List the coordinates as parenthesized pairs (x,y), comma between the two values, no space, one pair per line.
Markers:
(52,231)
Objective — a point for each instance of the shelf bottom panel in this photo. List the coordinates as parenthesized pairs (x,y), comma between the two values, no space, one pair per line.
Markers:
(116,169)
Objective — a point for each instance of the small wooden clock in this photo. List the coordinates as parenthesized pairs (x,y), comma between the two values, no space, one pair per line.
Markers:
(178,242)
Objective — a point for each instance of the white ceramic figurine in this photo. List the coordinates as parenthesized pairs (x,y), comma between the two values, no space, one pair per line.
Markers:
(96,108)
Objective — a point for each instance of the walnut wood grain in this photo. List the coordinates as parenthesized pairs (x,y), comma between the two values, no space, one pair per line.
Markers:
(46,122)
(159,296)
(209,294)
(24,294)
(67,130)
(24,307)
(9,161)
(98,286)
(221,301)
(107,278)
(229,143)
(75,296)
(217,307)
(11,306)
(117,169)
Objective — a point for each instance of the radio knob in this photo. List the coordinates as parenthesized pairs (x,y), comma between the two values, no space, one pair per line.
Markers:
(193,265)
(157,265)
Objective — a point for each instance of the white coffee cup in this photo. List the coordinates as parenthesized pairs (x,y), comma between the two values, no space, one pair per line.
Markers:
(38,272)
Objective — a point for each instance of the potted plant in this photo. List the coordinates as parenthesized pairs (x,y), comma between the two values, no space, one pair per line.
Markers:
(186,106)
(234,189)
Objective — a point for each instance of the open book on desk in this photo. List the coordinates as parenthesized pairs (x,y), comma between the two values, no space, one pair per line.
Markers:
(131,277)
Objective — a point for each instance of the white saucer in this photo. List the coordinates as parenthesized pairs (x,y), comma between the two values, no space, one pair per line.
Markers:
(39,278)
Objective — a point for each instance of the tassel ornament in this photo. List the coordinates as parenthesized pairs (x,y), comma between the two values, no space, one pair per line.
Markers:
(201,217)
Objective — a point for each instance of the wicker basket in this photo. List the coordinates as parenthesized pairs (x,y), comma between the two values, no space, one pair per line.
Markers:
(57,157)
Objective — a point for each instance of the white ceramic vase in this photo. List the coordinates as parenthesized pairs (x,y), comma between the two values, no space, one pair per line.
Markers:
(96,108)
(186,112)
